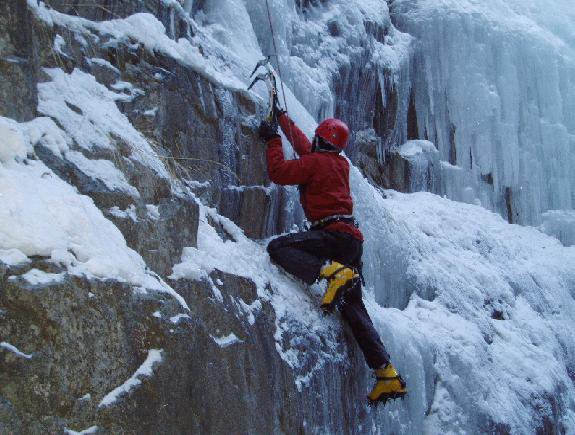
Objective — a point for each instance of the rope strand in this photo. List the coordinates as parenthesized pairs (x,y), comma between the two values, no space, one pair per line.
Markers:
(278,63)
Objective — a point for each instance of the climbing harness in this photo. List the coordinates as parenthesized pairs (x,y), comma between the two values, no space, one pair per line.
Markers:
(321,223)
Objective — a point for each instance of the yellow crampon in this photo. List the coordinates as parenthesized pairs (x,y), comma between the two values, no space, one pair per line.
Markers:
(340,278)
(389,385)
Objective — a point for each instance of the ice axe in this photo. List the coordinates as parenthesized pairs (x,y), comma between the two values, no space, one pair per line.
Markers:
(269,78)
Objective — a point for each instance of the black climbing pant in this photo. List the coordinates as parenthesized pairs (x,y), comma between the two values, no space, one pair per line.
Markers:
(303,254)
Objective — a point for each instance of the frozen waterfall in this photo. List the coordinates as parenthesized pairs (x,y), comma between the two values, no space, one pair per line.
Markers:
(494,86)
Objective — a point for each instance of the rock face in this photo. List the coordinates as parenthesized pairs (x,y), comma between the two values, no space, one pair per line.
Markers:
(85,338)
(18,61)
(81,353)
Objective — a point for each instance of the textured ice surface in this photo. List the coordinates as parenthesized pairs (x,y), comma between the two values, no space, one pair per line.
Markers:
(561,224)
(478,303)
(494,86)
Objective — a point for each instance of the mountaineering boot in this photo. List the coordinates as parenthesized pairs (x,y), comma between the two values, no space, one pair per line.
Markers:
(389,385)
(340,278)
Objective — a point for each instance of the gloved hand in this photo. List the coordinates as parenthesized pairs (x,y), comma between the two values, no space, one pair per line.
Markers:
(268,130)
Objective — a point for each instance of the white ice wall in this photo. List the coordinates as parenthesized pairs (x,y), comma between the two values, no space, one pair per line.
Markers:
(496,79)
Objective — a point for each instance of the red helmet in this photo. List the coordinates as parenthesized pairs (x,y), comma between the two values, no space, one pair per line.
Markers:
(333,131)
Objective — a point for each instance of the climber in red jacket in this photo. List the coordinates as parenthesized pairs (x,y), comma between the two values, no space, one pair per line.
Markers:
(333,246)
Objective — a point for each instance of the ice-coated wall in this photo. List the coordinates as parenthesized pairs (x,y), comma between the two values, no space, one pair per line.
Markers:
(476,314)
(494,86)
(341,59)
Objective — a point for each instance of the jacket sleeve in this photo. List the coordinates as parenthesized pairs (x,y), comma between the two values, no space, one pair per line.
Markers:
(283,171)
(297,138)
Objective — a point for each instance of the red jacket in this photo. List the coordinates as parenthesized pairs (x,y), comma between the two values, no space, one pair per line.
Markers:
(323,177)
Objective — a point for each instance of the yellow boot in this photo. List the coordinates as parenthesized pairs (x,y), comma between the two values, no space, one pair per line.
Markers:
(340,278)
(389,385)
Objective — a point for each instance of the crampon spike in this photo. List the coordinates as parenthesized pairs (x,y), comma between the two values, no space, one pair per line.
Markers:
(383,400)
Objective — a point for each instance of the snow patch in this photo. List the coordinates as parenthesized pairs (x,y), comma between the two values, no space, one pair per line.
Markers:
(90,430)
(130,212)
(41,215)
(414,147)
(227,340)
(104,63)
(103,170)
(176,319)
(144,371)
(15,350)
(59,44)
(13,257)
(12,143)
(88,112)
(39,277)
(153,211)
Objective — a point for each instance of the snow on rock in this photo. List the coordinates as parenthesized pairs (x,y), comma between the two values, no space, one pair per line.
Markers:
(176,319)
(18,139)
(413,148)
(90,430)
(153,211)
(247,258)
(39,277)
(13,143)
(43,215)
(144,371)
(103,170)
(44,131)
(13,257)
(15,350)
(88,112)
(104,63)
(227,340)
(59,44)
(151,33)
(128,213)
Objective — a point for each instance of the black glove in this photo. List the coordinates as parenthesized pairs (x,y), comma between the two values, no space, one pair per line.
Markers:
(268,130)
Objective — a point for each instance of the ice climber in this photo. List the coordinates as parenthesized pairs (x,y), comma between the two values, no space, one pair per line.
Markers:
(331,249)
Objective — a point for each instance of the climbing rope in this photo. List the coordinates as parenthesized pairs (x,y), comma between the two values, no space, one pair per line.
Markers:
(279,67)
(276,53)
